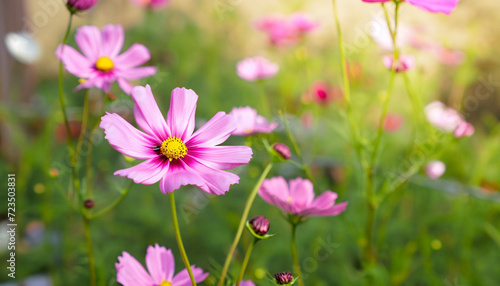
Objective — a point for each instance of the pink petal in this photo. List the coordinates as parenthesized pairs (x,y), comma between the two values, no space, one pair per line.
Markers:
(247,283)
(275,192)
(136,73)
(180,117)
(222,157)
(147,172)
(442,6)
(302,193)
(179,174)
(74,62)
(129,272)
(214,132)
(182,278)
(88,39)
(136,55)
(324,203)
(333,210)
(148,115)
(127,139)
(161,264)
(125,85)
(112,40)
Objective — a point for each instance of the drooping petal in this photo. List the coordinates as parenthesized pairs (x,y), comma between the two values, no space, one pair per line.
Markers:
(182,278)
(161,264)
(129,272)
(112,40)
(148,115)
(136,73)
(223,157)
(180,117)
(214,132)
(147,172)
(127,139)
(74,62)
(437,6)
(302,193)
(136,55)
(88,39)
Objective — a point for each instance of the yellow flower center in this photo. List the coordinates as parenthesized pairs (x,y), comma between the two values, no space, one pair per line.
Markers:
(166,283)
(104,64)
(173,148)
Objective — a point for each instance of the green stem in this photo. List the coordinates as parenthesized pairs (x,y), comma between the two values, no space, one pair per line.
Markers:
(179,239)
(245,260)
(295,255)
(114,204)
(243,220)
(88,240)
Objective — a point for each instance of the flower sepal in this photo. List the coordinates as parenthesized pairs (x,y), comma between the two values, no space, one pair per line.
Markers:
(257,236)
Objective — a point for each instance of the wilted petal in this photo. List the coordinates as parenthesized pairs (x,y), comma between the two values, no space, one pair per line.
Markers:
(129,272)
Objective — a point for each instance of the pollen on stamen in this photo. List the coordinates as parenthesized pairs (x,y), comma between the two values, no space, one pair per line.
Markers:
(173,148)
(104,64)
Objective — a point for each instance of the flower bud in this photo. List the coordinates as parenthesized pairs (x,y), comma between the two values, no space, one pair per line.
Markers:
(464,129)
(435,169)
(88,204)
(283,150)
(260,225)
(80,5)
(283,278)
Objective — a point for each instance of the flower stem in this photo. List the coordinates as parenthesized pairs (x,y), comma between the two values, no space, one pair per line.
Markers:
(88,240)
(114,204)
(179,239)
(245,261)
(295,255)
(243,220)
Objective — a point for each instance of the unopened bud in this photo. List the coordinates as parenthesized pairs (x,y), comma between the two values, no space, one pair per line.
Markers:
(283,278)
(88,204)
(80,5)
(260,225)
(283,150)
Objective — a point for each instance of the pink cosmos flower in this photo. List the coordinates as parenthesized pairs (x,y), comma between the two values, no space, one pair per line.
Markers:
(80,5)
(442,117)
(464,129)
(161,267)
(246,283)
(298,199)
(322,93)
(256,68)
(248,122)
(151,4)
(101,65)
(175,155)
(286,30)
(435,169)
(403,64)
(445,56)
(436,6)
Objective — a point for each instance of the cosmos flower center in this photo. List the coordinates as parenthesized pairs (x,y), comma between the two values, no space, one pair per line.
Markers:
(104,64)
(165,283)
(173,148)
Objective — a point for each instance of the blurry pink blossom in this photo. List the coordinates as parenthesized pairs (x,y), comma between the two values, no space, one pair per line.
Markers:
(464,129)
(298,198)
(80,5)
(442,117)
(445,56)
(101,64)
(403,64)
(256,68)
(248,122)
(322,93)
(151,4)
(393,122)
(247,283)
(161,267)
(307,119)
(286,30)
(436,6)
(435,169)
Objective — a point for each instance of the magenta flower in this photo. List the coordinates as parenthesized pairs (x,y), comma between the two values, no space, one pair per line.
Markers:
(80,5)
(435,169)
(175,155)
(286,30)
(436,6)
(448,119)
(403,64)
(322,93)
(101,65)
(248,122)
(256,68)
(464,129)
(246,283)
(151,4)
(445,56)
(298,199)
(161,267)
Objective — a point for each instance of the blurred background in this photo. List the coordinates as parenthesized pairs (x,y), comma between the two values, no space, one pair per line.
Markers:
(428,232)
